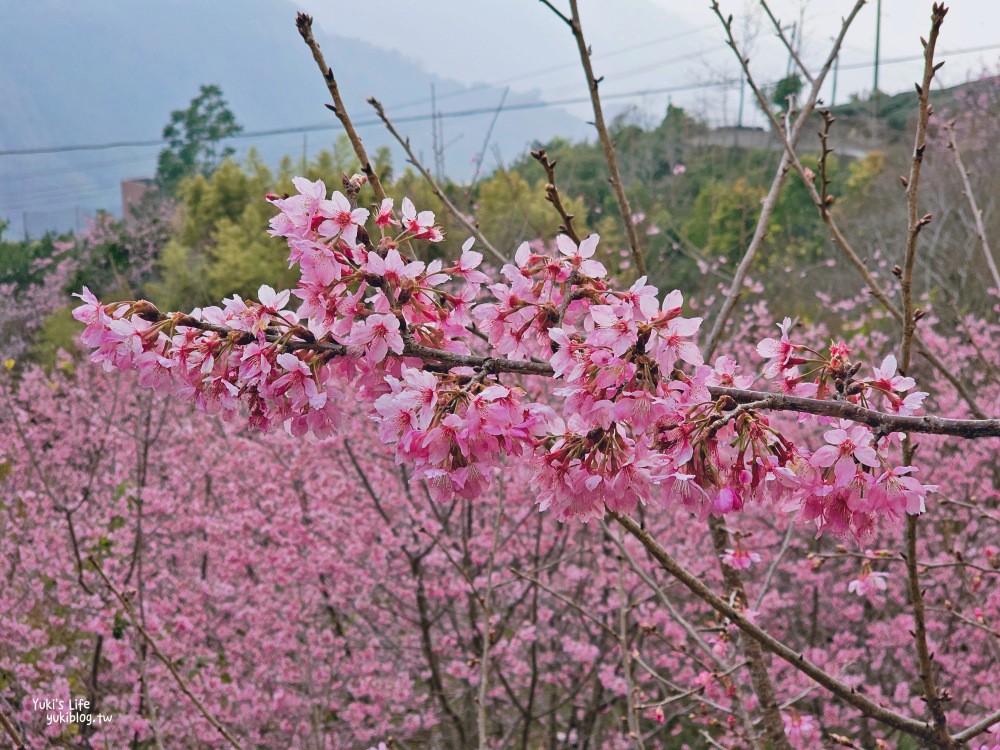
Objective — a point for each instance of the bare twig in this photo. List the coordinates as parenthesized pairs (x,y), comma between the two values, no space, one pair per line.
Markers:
(12,732)
(484,666)
(137,624)
(552,194)
(785,543)
(823,203)
(914,222)
(840,689)
(445,200)
(623,608)
(788,45)
(760,677)
(914,225)
(788,156)
(977,213)
(304,24)
(978,728)
(614,173)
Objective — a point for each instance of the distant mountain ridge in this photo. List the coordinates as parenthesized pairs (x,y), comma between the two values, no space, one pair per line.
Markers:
(110,70)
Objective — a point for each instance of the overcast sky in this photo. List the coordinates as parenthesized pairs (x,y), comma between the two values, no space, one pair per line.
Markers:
(642,45)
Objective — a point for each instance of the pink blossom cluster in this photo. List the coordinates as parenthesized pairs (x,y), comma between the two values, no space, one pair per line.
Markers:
(444,362)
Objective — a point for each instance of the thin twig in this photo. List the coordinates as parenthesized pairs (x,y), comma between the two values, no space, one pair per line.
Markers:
(914,225)
(977,213)
(787,157)
(614,173)
(304,22)
(978,728)
(127,606)
(623,608)
(840,689)
(429,178)
(823,203)
(484,666)
(552,194)
(788,44)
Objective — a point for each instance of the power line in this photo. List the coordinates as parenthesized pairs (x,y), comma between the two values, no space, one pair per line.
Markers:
(455,114)
(472,112)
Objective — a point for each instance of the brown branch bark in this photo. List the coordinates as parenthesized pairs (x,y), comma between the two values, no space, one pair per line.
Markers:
(11,730)
(915,223)
(929,424)
(136,622)
(788,156)
(429,178)
(614,173)
(840,689)
(303,23)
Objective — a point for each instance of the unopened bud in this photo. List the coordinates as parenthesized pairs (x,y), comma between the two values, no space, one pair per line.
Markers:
(147,311)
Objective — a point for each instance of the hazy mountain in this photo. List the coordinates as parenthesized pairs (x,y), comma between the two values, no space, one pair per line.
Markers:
(112,70)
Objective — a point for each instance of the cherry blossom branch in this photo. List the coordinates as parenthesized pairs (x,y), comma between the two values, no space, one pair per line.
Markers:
(788,156)
(977,213)
(429,179)
(552,194)
(127,606)
(774,727)
(969,429)
(840,689)
(614,173)
(304,23)
(823,203)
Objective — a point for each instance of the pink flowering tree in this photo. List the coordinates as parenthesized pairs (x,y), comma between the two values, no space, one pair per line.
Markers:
(739,543)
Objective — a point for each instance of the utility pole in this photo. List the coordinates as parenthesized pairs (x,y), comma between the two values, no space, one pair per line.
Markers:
(739,117)
(836,70)
(305,149)
(791,46)
(878,37)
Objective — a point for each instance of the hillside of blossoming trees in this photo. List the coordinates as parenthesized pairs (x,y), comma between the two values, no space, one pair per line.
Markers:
(443,493)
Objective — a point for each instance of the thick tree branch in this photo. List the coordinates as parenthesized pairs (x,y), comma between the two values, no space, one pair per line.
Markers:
(840,689)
